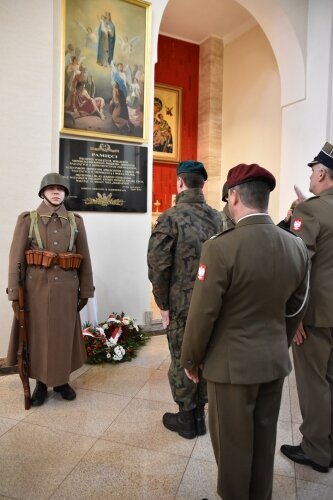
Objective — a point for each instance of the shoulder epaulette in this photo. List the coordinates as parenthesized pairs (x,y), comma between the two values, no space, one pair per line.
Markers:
(221,233)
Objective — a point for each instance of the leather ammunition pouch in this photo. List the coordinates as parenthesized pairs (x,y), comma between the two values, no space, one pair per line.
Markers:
(44,258)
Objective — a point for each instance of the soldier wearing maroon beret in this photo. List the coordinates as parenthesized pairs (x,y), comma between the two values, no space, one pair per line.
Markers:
(247,301)
(312,220)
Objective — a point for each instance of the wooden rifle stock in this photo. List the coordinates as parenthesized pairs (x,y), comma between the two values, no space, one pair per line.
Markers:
(23,352)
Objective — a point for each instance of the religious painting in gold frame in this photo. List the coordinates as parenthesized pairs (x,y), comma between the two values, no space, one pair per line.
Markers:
(105,69)
(167,123)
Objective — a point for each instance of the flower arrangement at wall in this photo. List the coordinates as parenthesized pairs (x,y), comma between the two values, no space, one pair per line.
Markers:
(113,341)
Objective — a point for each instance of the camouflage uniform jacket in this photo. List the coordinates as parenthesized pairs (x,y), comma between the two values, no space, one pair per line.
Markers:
(175,247)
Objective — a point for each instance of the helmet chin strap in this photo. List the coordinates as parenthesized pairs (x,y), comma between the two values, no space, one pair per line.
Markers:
(50,202)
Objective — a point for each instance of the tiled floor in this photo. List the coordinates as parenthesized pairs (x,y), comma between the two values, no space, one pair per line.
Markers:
(110,443)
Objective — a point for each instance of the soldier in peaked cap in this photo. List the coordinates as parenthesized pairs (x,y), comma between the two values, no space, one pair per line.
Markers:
(238,330)
(312,220)
(52,247)
(225,214)
(173,258)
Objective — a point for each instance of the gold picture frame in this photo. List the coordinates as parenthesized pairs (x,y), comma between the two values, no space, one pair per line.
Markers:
(105,69)
(167,123)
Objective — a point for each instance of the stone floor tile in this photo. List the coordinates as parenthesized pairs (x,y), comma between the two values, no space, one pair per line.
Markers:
(284,488)
(282,465)
(84,368)
(117,471)
(11,397)
(157,388)
(313,491)
(6,424)
(122,379)
(150,357)
(90,414)
(34,460)
(199,481)
(203,448)
(140,424)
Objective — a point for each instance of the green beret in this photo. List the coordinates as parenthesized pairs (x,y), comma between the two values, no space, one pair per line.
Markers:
(192,167)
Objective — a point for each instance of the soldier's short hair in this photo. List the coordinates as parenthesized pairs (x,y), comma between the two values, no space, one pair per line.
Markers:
(192,180)
(254,194)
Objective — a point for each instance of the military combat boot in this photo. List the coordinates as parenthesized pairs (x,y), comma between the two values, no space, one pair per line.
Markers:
(39,395)
(181,422)
(199,417)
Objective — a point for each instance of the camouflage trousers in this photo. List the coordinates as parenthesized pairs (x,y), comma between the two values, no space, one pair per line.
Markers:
(185,393)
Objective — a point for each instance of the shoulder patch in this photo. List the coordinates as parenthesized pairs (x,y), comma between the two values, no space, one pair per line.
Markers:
(202,272)
(297,224)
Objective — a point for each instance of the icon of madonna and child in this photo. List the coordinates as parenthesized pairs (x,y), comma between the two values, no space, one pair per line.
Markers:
(104,79)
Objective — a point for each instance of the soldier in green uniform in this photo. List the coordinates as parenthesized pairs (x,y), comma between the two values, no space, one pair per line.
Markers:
(246,304)
(225,214)
(51,245)
(312,220)
(173,257)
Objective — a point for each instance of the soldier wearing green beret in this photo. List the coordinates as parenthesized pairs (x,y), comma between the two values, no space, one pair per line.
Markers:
(173,257)
(51,245)
(247,301)
(312,220)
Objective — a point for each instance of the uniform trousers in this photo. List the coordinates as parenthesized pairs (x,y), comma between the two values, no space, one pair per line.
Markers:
(313,361)
(185,393)
(242,423)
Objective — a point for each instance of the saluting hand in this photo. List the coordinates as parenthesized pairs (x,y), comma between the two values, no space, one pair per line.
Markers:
(300,335)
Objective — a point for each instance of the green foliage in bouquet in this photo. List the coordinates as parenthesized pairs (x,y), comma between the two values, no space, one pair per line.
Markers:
(113,341)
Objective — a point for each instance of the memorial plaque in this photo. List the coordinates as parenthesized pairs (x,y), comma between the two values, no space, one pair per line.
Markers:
(104,177)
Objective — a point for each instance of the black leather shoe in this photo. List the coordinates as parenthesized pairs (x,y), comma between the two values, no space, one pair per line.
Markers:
(296,454)
(39,395)
(66,391)
(181,422)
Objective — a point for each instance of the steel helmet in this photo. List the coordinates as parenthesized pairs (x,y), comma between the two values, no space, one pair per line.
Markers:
(53,179)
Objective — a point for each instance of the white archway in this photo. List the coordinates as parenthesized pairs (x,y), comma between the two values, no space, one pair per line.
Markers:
(285,45)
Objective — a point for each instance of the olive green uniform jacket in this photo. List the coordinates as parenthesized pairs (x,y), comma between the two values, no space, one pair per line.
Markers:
(253,275)
(55,338)
(313,221)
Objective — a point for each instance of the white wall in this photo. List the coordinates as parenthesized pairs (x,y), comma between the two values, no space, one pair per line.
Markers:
(251,116)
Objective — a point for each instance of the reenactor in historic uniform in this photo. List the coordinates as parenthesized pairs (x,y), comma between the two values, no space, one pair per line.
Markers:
(246,304)
(173,258)
(227,222)
(51,245)
(312,220)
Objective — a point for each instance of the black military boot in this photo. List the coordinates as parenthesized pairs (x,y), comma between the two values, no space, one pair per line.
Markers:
(199,417)
(181,422)
(39,395)
(66,391)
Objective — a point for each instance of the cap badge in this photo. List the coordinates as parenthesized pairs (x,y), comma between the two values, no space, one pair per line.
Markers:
(202,272)
(297,225)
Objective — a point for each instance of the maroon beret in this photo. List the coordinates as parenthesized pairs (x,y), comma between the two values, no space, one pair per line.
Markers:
(247,173)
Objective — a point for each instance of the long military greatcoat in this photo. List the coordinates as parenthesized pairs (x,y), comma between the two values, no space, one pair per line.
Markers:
(55,339)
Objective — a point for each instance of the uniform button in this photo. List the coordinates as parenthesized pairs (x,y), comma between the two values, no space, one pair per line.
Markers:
(55,231)
(30,277)
(55,266)
(55,243)
(56,278)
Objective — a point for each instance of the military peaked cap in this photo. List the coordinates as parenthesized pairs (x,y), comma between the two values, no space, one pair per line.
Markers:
(325,156)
